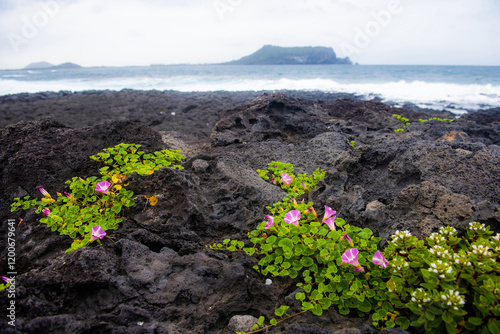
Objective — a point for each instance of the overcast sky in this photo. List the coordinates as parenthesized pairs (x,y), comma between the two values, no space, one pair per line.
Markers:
(144,32)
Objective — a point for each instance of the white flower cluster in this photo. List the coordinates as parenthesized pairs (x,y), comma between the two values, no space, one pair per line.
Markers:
(495,242)
(440,252)
(437,238)
(452,298)
(442,269)
(420,297)
(481,250)
(448,230)
(400,236)
(399,264)
(461,259)
(475,226)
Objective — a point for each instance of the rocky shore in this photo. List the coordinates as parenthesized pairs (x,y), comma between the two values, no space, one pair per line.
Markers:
(155,275)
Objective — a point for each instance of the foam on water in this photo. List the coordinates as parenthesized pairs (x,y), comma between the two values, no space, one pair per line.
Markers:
(455,97)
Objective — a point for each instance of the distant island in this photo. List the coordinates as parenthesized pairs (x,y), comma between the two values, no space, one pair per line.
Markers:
(43,65)
(277,55)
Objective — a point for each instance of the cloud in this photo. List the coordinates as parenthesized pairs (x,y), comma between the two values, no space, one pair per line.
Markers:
(133,32)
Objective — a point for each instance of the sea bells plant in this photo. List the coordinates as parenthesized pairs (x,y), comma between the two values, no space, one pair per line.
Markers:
(450,285)
(93,205)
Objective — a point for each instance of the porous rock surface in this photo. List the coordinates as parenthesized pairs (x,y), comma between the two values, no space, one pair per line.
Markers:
(156,274)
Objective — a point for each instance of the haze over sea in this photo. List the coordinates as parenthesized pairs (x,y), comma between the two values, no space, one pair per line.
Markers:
(455,88)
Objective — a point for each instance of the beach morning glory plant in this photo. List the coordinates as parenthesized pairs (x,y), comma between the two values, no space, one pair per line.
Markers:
(94,205)
(449,286)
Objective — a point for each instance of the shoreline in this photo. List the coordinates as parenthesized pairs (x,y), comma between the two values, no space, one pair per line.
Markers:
(161,110)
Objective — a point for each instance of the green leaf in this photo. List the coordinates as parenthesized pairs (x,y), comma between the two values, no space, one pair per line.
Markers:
(292,273)
(317,310)
(285,243)
(300,296)
(261,320)
(307,261)
(249,251)
(494,325)
(271,240)
(447,317)
(325,303)
(306,306)
(403,322)
(281,310)
(475,321)
(266,248)
(297,265)
(273,322)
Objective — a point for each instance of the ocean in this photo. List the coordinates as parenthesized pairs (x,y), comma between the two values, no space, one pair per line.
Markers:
(458,89)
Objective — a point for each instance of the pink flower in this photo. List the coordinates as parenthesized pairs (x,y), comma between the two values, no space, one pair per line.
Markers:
(270,222)
(68,195)
(102,187)
(346,237)
(351,256)
(46,211)
(359,269)
(274,181)
(329,212)
(330,222)
(43,191)
(5,279)
(96,232)
(293,217)
(379,259)
(285,178)
(303,185)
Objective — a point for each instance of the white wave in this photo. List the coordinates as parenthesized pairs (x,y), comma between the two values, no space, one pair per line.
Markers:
(13,75)
(441,96)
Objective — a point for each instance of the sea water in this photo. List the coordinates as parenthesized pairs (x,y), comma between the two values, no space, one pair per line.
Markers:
(455,88)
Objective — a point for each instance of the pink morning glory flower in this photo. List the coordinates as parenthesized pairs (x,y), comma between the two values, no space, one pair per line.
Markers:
(46,211)
(68,195)
(43,191)
(102,187)
(303,185)
(96,232)
(5,279)
(346,237)
(293,217)
(330,222)
(270,222)
(351,256)
(359,269)
(379,259)
(329,212)
(285,178)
